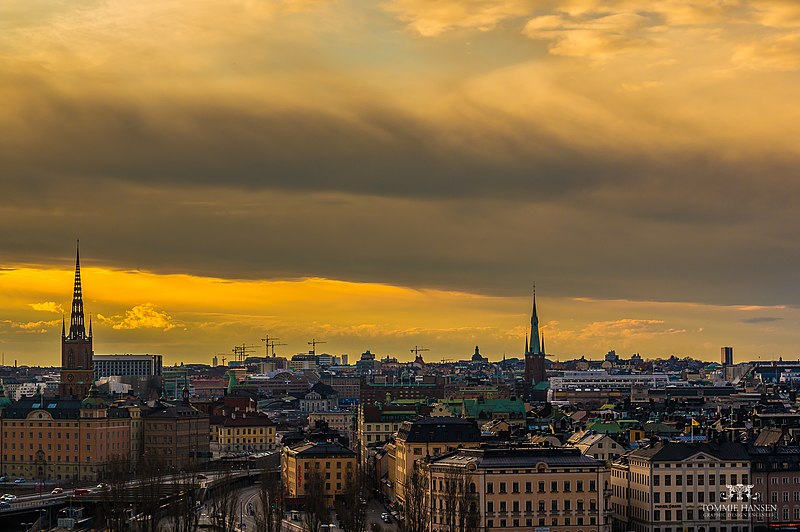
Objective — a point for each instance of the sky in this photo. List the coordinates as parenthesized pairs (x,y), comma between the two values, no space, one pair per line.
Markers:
(392,173)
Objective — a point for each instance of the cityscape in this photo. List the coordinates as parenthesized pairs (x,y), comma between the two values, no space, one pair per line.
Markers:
(399,266)
(314,441)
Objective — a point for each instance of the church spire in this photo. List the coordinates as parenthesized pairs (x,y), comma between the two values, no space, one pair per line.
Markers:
(534,346)
(77,330)
(543,351)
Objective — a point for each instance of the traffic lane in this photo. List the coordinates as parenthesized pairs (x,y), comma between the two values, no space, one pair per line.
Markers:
(374,511)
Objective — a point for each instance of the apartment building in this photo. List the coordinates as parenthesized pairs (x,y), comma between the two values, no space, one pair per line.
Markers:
(427,438)
(671,486)
(521,489)
(335,464)
(63,439)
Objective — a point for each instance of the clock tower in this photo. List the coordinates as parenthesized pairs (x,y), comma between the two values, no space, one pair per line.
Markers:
(77,366)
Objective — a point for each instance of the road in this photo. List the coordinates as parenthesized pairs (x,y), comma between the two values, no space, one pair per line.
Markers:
(374,511)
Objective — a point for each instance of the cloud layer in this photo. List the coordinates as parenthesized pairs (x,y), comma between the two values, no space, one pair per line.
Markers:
(603,149)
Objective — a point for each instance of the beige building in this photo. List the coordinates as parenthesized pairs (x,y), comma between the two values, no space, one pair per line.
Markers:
(666,487)
(242,432)
(335,464)
(428,438)
(600,446)
(522,489)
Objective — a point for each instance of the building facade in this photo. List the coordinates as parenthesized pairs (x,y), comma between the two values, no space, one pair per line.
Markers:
(668,487)
(127,366)
(521,489)
(334,463)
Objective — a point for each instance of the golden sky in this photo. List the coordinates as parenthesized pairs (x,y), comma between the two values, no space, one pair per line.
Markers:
(399,172)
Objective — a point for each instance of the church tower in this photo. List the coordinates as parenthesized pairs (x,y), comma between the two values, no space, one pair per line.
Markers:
(77,366)
(534,352)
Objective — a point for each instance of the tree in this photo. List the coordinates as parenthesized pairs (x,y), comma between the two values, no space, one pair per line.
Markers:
(225,505)
(351,507)
(182,506)
(269,513)
(459,506)
(149,490)
(316,508)
(416,510)
(113,509)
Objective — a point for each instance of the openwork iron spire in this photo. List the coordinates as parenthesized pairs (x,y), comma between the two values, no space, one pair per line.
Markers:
(77,330)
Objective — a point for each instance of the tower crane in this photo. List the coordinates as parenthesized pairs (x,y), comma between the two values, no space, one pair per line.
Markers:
(418,349)
(272,345)
(270,341)
(313,343)
(240,352)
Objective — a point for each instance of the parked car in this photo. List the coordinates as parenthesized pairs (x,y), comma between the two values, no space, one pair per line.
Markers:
(4,479)
(201,476)
(103,486)
(80,491)
(19,481)
(5,504)
(9,497)
(386,518)
(56,491)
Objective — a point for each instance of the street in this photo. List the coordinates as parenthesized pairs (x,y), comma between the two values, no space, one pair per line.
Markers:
(374,511)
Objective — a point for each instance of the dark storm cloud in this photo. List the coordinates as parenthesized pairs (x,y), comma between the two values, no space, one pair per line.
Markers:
(762,319)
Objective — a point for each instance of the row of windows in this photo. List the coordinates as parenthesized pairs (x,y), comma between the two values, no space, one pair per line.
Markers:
(503,523)
(554,506)
(327,465)
(566,485)
(701,479)
(117,434)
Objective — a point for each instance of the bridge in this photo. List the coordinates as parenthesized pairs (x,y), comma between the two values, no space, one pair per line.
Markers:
(133,494)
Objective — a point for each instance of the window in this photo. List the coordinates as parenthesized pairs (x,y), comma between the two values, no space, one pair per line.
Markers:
(502,487)
(541,486)
(490,487)
(515,487)
(554,487)
(529,487)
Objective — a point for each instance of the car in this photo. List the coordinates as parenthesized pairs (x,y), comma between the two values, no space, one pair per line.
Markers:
(386,518)
(103,486)
(56,491)
(9,497)
(201,476)
(80,491)
(19,481)
(5,504)
(4,479)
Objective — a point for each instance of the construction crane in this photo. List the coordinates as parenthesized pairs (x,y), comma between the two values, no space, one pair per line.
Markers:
(272,345)
(270,341)
(240,352)
(313,343)
(418,349)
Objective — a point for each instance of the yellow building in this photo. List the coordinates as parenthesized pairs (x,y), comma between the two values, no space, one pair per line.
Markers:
(428,437)
(242,431)
(335,464)
(519,489)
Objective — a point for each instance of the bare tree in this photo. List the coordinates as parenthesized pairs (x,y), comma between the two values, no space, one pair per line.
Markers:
(113,510)
(459,504)
(316,507)
(225,506)
(351,507)
(416,510)
(182,506)
(269,513)
(148,490)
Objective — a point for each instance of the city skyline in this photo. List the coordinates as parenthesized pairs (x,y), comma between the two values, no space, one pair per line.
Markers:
(390,174)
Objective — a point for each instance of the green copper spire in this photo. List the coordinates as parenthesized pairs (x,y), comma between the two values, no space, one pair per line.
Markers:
(535,346)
